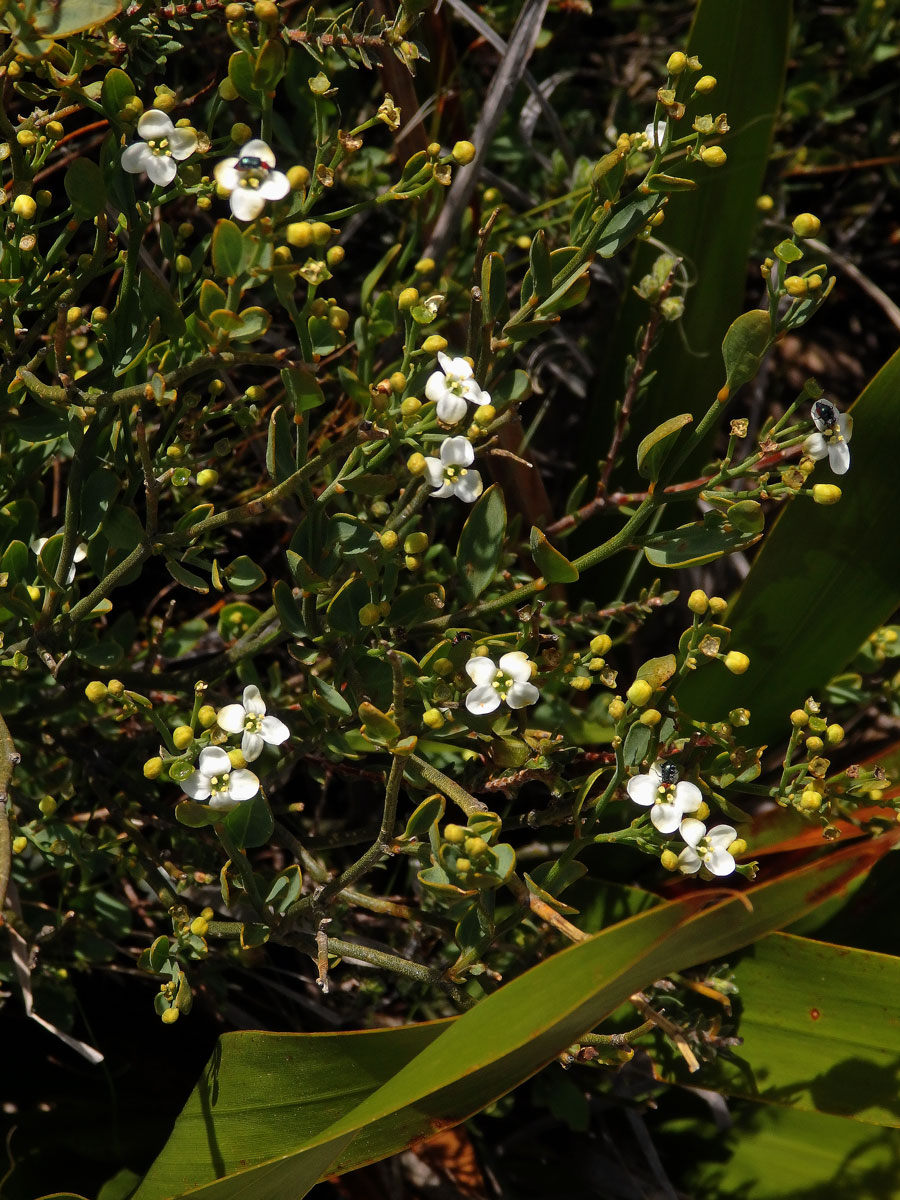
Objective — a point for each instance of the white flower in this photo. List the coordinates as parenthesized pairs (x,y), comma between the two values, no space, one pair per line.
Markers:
(79,555)
(250,719)
(704,849)
(669,799)
(451,387)
(216,782)
(162,145)
(655,134)
(834,432)
(509,682)
(251,179)
(450,473)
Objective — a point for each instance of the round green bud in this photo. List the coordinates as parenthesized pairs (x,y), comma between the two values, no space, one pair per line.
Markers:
(116,687)
(237,760)
(298,177)
(442,666)
(199,926)
(826,493)
(814,745)
(44,197)
(433,149)
(796,285)
(299,233)
(47,805)
(408,299)
(410,406)
(228,91)
(369,615)
(639,693)
(834,735)
(182,737)
(389,541)
(706,84)
(73,315)
(412,562)
(463,866)
(397,382)
(321,232)
(717,605)
(207,477)
(335,256)
(415,464)
(523,242)
(702,811)
(476,847)
(175,452)
(669,860)
(484,414)
(799,718)
(25,206)
(265,10)
(255,393)
(455,834)
(99,315)
(616,709)
(415,543)
(765,203)
(739,717)
(811,801)
(463,153)
(433,718)
(338,318)
(806,225)
(170,1016)
(183,264)
(424,266)
(153,768)
(736,663)
(737,847)
(601,644)
(19,844)
(206,717)
(435,342)
(596,664)
(25,137)
(651,717)
(713,156)
(95,691)
(677,63)
(580,683)
(698,602)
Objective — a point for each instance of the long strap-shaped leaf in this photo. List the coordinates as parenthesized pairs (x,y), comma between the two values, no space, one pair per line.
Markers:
(268,1097)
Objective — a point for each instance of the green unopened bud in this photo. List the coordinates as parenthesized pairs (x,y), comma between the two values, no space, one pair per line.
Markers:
(298,177)
(737,847)
(73,315)
(19,844)
(183,264)
(736,663)
(25,137)
(616,709)
(397,382)
(596,664)
(826,493)
(433,718)
(806,225)
(265,10)
(207,477)
(702,811)
(814,745)
(463,866)
(639,693)
(739,717)
(463,153)
(476,847)
(99,315)
(796,285)
(237,760)
(95,691)
(580,683)
(408,299)
(206,717)
(182,737)
(705,84)
(484,414)
(116,687)
(199,926)
(435,342)
(651,717)
(369,615)
(299,233)
(338,318)
(765,203)
(321,232)
(415,543)
(389,541)
(713,156)
(799,718)
(228,91)
(601,644)
(811,801)
(717,605)
(412,562)
(415,464)
(47,805)
(698,602)
(170,1016)
(455,834)
(834,735)
(153,768)
(335,255)
(410,406)
(25,207)
(442,666)
(669,860)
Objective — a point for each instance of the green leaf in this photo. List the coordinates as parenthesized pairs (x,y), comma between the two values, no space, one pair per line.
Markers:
(227,249)
(279,1111)
(187,577)
(329,697)
(654,448)
(250,823)
(269,66)
(494,301)
(288,609)
(85,188)
(693,545)
(553,565)
(481,543)
(302,389)
(745,345)
(625,224)
(121,528)
(243,575)
(377,726)
(671,183)
(252,323)
(637,743)
(196,816)
(65,17)
(823,580)
(657,671)
(280,459)
(424,816)
(115,91)
(539,280)
(240,71)
(211,298)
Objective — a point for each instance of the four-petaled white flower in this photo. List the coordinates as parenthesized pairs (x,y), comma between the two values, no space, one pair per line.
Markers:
(834,431)
(451,387)
(450,473)
(156,155)
(667,799)
(509,682)
(704,849)
(78,556)
(250,179)
(250,720)
(215,782)
(655,134)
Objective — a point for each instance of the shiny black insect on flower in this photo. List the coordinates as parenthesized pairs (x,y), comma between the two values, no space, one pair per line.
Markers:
(248,162)
(668,773)
(826,413)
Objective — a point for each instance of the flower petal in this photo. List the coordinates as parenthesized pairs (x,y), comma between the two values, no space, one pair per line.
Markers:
(515,664)
(242,785)
(161,169)
(720,862)
(692,830)
(257,148)
(214,761)
(457,452)
(446,362)
(253,701)
(223,801)
(845,425)
(246,204)
(182,143)
(666,817)
(688,796)
(225,175)
(137,158)
(434,471)
(154,123)
(231,718)
(839,457)
(522,694)
(252,745)
(451,409)
(469,487)
(436,387)
(481,670)
(689,862)
(459,369)
(815,446)
(444,492)
(482,700)
(196,786)
(274,731)
(721,837)
(642,789)
(276,186)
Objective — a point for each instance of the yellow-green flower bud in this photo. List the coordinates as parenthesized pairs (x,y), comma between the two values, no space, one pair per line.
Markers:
(796,285)
(24,206)
(435,342)
(765,203)
(237,760)
(639,693)
(206,717)
(596,664)
(47,805)
(799,718)
(455,834)
(199,926)
(580,683)
(442,667)
(737,847)
(412,562)
(25,137)
(299,233)
(334,256)
(415,464)
(183,264)
(706,84)
(99,315)
(616,709)
(698,602)
(338,318)
(713,156)
(153,768)
(736,663)
(717,605)
(651,717)
(811,801)
(424,266)
(601,644)
(408,299)
(182,737)
(415,543)
(34,593)
(433,718)
(410,406)
(397,382)
(298,177)
(702,811)
(321,232)
(475,847)
(240,133)
(814,745)
(463,153)
(265,10)
(116,687)
(255,393)
(826,493)
(228,91)
(170,1016)
(669,860)
(806,225)
(207,477)
(389,540)
(834,735)
(19,844)
(484,414)
(463,866)
(369,615)
(207,913)
(95,691)
(73,315)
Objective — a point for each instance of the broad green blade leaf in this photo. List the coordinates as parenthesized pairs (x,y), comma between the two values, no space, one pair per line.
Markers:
(481,542)
(242,1112)
(823,580)
(819,1030)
